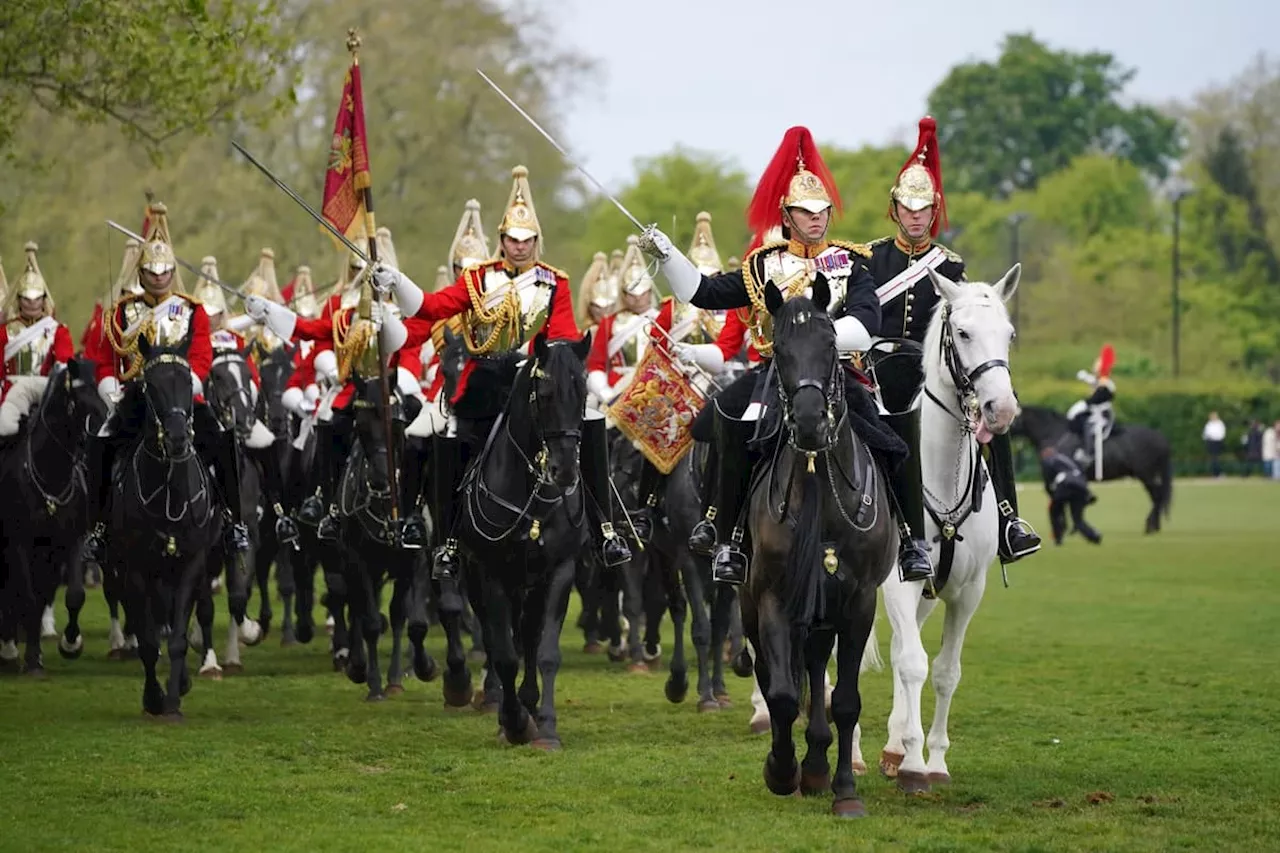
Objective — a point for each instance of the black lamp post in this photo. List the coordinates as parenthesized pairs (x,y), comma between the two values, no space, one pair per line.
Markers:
(1180,190)
(1015,222)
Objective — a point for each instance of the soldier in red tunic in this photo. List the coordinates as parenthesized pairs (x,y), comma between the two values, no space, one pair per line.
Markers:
(33,342)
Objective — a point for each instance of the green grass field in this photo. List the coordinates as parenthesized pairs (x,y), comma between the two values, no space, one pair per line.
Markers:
(1140,675)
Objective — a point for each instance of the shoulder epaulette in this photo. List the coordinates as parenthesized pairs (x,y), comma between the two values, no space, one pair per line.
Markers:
(559,273)
(857,248)
(951,254)
(766,247)
(880,241)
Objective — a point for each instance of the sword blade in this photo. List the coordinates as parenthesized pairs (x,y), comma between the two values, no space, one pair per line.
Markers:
(565,154)
(311,211)
(186,266)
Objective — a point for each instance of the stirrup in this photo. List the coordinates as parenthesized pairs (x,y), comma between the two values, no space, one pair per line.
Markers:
(237,537)
(913,560)
(1017,540)
(94,549)
(702,539)
(642,524)
(729,565)
(286,530)
(413,535)
(613,548)
(444,561)
(312,511)
(328,529)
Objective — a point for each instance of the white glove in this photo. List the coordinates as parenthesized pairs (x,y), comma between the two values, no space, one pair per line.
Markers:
(292,399)
(709,357)
(655,244)
(327,366)
(312,394)
(408,295)
(256,307)
(598,384)
(384,278)
(851,335)
(1085,376)
(241,323)
(110,392)
(407,382)
(684,354)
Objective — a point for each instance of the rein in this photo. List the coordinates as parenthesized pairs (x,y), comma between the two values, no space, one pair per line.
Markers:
(54,501)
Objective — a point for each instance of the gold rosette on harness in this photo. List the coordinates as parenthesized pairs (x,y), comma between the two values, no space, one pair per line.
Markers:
(657,409)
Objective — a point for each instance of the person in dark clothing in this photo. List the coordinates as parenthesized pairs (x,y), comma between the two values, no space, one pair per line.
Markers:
(1068,490)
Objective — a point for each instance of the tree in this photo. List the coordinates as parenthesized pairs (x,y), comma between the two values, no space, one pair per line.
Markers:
(1005,125)
(155,68)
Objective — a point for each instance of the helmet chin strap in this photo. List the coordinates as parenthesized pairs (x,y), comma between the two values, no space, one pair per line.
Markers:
(928,231)
(795,232)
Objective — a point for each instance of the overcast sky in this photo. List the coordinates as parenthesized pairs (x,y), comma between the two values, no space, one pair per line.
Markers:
(730,76)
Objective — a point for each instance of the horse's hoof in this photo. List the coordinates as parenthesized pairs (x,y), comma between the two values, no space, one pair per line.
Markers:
(236,668)
(70,651)
(760,725)
(911,782)
(784,785)
(115,654)
(375,697)
(394,690)
(889,764)
(212,673)
(547,744)
(527,735)
(251,632)
(939,778)
(848,809)
(815,784)
(743,666)
(171,717)
(305,632)
(455,696)
(859,768)
(340,658)
(676,689)
(287,637)
(638,668)
(425,669)
(357,673)
(617,654)
(36,672)
(725,702)
(592,648)
(708,706)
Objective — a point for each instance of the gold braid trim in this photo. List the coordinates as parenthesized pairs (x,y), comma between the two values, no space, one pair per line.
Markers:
(124,343)
(504,318)
(348,342)
(862,249)
(760,323)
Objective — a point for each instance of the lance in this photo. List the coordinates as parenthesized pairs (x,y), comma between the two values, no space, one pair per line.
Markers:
(186,266)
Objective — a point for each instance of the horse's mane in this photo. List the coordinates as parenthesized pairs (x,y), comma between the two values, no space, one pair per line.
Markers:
(564,369)
(786,320)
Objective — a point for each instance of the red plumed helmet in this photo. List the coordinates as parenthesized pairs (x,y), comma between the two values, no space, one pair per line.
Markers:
(795,177)
(919,181)
(1106,361)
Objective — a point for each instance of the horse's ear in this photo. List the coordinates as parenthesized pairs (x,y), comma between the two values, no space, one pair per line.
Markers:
(540,346)
(582,347)
(943,286)
(73,369)
(772,297)
(1008,283)
(821,293)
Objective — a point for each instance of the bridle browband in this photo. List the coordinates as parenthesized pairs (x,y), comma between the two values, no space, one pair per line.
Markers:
(186,415)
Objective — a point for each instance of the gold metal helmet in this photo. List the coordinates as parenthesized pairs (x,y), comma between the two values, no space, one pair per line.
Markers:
(702,251)
(444,278)
(615,264)
(806,191)
(634,275)
(919,183)
(469,245)
(127,281)
(520,221)
(30,285)
(262,281)
(209,294)
(597,290)
(157,252)
(914,188)
(733,264)
(386,248)
(304,294)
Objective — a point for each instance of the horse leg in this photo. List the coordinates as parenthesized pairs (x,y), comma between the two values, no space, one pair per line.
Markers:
(531,620)
(610,614)
(903,755)
(552,623)
(775,671)
(111,591)
(30,607)
(846,706)
(209,667)
(946,673)
(1155,490)
(723,615)
(138,612)
(303,573)
(70,642)
(335,601)
(516,725)
(424,666)
(634,573)
(699,631)
(288,589)
(179,677)
(657,598)
(587,581)
(678,681)
(815,770)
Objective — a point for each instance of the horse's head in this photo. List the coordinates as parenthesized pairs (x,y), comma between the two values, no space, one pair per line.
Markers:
(453,357)
(230,392)
(807,362)
(275,368)
(974,334)
(167,390)
(71,402)
(558,400)
(371,431)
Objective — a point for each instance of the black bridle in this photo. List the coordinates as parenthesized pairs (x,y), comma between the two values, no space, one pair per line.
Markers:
(833,401)
(966,394)
(185,413)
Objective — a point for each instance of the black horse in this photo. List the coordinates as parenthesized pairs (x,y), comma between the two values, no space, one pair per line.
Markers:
(165,520)
(1130,451)
(823,541)
(371,556)
(43,510)
(522,522)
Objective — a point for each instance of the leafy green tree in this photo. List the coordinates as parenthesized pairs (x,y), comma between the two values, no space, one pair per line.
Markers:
(1005,125)
(155,68)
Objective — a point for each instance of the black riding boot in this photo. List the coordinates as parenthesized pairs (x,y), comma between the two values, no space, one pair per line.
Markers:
(595,476)
(913,550)
(269,460)
(100,451)
(413,536)
(702,539)
(312,509)
(446,476)
(236,535)
(1016,538)
(645,518)
(733,479)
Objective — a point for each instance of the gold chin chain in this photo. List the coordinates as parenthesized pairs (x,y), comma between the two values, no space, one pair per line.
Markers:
(503,318)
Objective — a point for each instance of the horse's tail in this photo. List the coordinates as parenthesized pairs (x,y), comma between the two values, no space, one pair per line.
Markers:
(871,660)
(805,572)
(1166,487)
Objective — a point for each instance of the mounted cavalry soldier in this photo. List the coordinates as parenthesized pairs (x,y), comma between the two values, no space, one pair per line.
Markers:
(355,332)
(796,193)
(167,317)
(691,336)
(621,338)
(900,265)
(504,303)
(1092,419)
(33,341)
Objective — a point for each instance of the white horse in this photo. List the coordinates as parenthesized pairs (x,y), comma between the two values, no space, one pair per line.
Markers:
(968,392)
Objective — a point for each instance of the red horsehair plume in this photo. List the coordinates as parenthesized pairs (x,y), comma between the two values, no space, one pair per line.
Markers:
(928,155)
(765,210)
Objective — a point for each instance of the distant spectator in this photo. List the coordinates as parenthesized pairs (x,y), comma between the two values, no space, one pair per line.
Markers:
(1215,441)
(1271,450)
(1252,443)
